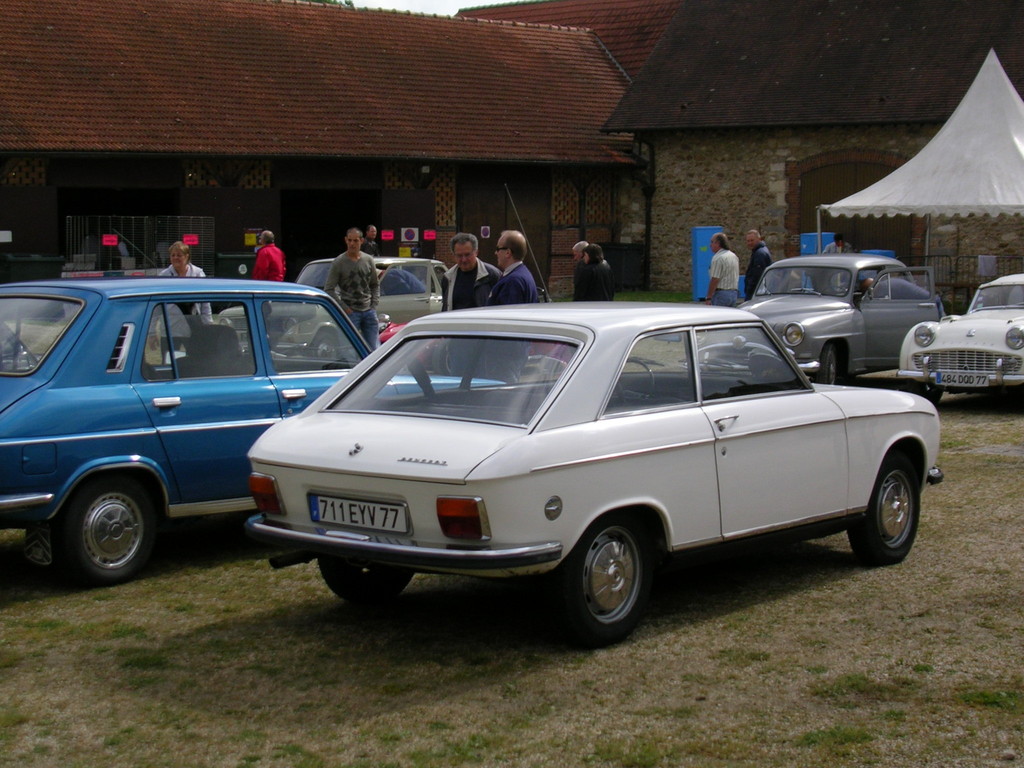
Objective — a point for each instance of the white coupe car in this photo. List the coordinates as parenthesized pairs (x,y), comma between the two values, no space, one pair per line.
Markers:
(973,352)
(590,444)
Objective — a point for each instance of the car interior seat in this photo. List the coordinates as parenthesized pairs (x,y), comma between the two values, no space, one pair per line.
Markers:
(213,350)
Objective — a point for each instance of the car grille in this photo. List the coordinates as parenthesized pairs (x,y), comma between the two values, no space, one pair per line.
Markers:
(967,360)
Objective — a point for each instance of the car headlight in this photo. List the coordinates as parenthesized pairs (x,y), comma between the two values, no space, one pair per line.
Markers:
(924,334)
(1015,337)
(793,334)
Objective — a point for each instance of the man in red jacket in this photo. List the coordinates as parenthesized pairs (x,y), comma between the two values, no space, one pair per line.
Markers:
(269,259)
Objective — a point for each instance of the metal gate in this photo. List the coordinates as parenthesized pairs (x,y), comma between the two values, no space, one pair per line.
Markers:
(117,243)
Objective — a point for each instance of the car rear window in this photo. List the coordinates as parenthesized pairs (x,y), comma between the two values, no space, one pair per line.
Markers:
(494,379)
(30,327)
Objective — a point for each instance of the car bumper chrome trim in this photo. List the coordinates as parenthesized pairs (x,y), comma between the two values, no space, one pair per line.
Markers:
(21,501)
(218,507)
(358,545)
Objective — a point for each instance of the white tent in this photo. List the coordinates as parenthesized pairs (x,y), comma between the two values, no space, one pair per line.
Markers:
(974,165)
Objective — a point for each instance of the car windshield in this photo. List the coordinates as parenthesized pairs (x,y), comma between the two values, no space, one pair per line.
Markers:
(1009,296)
(29,328)
(314,274)
(816,281)
(494,379)
(399,279)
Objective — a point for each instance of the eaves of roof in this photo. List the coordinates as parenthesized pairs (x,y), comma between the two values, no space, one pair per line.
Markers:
(287,78)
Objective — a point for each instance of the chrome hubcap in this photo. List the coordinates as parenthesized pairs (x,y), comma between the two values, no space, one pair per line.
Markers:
(610,575)
(112,531)
(895,508)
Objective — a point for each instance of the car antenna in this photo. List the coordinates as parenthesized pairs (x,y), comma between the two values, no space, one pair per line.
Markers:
(536,266)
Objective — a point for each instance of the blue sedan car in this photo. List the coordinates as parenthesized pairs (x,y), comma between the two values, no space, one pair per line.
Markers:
(127,403)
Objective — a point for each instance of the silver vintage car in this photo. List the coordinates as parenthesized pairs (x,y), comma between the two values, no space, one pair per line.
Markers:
(847,314)
(409,287)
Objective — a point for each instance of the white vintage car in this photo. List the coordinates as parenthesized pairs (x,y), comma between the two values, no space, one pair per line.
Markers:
(588,443)
(973,352)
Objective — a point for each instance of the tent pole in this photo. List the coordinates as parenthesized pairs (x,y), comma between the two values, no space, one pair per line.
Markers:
(928,235)
(817,211)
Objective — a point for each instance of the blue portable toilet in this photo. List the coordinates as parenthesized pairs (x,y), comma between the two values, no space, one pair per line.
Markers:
(880,252)
(700,245)
(809,242)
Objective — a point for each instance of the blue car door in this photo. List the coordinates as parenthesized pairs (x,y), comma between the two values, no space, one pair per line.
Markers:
(309,346)
(208,399)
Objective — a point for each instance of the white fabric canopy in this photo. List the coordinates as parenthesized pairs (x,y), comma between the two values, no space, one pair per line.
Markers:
(975,164)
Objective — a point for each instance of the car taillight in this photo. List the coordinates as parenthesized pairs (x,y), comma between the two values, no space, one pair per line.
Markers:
(264,492)
(461,517)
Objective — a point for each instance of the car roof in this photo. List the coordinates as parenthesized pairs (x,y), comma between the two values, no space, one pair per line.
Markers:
(389,260)
(150,286)
(598,316)
(1006,280)
(844,260)
(404,260)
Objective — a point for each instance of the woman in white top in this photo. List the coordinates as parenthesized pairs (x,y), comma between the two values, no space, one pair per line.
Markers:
(182,266)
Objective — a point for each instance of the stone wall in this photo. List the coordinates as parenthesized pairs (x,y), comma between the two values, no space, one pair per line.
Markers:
(749,179)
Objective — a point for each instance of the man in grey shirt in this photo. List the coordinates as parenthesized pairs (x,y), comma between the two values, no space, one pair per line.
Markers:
(352,280)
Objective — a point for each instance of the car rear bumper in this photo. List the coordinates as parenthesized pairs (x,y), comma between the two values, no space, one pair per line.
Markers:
(402,552)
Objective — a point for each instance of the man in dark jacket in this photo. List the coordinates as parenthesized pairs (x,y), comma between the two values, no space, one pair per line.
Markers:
(516,285)
(469,282)
(596,281)
(760,258)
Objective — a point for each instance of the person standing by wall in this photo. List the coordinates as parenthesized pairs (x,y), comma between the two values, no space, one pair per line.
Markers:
(760,258)
(577,262)
(596,281)
(516,285)
(370,244)
(269,259)
(352,280)
(723,290)
(469,282)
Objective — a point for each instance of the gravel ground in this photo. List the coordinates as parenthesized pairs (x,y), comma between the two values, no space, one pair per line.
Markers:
(795,657)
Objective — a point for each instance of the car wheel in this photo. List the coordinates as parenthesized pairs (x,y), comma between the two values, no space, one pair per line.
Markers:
(887,533)
(602,587)
(106,534)
(367,584)
(326,344)
(828,372)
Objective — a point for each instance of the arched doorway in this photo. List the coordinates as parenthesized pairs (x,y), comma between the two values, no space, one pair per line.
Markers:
(821,181)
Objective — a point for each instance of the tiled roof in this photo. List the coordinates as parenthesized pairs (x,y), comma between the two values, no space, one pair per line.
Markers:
(629,28)
(730,63)
(259,77)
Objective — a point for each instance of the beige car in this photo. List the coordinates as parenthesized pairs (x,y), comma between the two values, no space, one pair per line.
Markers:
(409,288)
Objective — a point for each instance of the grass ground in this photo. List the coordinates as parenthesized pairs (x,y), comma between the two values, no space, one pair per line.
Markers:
(794,657)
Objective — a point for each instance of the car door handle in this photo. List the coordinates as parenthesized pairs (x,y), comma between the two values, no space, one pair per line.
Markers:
(166,402)
(293,394)
(724,422)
